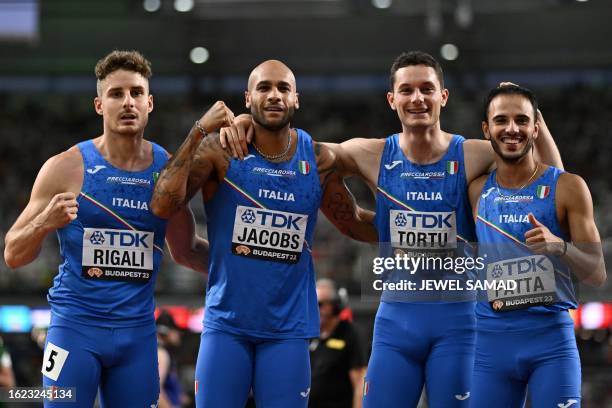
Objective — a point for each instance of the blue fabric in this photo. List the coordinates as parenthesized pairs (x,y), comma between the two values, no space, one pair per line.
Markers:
(260,227)
(120,362)
(109,281)
(416,344)
(507,210)
(229,366)
(543,360)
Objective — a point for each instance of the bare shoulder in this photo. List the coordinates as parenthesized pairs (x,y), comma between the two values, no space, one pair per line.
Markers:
(479,158)
(360,147)
(572,190)
(473,147)
(61,173)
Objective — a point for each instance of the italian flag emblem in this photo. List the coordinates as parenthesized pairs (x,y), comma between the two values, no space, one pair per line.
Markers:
(304,167)
(543,191)
(452,166)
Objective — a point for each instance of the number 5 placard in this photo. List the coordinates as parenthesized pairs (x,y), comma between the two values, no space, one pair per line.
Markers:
(53,361)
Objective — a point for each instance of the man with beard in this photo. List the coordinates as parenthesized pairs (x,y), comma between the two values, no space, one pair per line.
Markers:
(422,173)
(95,196)
(538,220)
(261,304)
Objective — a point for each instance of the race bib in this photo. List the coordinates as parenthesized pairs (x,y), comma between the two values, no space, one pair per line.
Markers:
(417,230)
(267,234)
(53,361)
(534,283)
(119,255)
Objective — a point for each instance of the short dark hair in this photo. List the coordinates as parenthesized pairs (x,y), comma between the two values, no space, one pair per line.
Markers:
(510,90)
(127,60)
(406,59)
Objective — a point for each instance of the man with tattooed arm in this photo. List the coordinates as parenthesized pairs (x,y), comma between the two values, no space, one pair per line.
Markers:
(261,304)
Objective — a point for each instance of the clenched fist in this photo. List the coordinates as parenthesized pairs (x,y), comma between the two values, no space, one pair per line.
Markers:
(61,210)
(216,117)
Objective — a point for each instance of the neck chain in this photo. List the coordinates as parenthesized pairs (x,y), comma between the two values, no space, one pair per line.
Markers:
(524,185)
(278,155)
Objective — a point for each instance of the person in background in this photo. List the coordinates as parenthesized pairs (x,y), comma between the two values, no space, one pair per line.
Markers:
(168,339)
(337,359)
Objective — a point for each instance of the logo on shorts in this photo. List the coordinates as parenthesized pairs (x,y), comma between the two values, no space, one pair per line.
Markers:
(304,394)
(463,397)
(569,403)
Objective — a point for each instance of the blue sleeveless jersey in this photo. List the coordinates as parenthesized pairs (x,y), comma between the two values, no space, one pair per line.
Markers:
(260,227)
(543,283)
(420,207)
(111,252)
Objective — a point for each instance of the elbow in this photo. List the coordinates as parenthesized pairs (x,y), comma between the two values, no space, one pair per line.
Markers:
(160,210)
(10,258)
(9,255)
(598,280)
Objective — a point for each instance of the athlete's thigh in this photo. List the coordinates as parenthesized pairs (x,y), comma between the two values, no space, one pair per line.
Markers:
(71,359)
(495,382)
(396,370)
(392,379)
(282,374)
(223,371)
(450,366)
(132,379)
(556,376)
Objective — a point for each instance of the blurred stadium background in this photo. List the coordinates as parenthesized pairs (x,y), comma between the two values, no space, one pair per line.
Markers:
(340,51)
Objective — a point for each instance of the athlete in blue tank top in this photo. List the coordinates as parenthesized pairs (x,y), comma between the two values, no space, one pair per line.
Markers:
(420,179)
(261,304)
(535,227)
(96,196)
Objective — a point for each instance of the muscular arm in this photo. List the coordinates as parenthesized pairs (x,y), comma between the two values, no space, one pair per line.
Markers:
(52,205)
(584,254)
(545,148)
(474,191)
(180,177)
(186,247)
(337,203)
(192,164)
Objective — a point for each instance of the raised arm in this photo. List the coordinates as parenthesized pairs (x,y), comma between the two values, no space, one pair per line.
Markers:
(545,148)
(52,205)
(584,253)
(191,165)
(337,203)
(186,247)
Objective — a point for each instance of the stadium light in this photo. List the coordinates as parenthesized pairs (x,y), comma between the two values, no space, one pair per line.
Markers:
(151,5)
(183,6)
(449,52)
(199,55)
